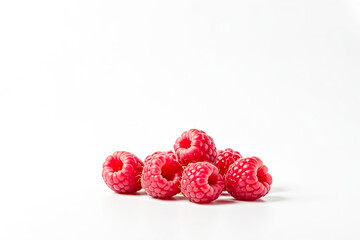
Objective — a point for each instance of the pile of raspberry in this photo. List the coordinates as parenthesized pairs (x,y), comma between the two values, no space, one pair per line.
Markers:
(195,168)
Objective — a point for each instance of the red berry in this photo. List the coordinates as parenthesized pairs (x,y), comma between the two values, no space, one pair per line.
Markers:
(201,182)
(161,176)
(195,146)
(122,171)
(150,157)
(225,159)
(247,179)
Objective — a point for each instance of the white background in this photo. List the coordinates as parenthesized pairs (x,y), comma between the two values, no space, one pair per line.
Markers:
(81,79)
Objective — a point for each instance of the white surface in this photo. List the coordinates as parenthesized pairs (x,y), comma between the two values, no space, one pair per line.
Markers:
(82,79)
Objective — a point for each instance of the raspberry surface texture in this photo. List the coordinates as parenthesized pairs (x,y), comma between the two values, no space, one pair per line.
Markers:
(248,179)
(150,157)
(161,176)
(201,182)
(225,159)
(195,146)
(122,171)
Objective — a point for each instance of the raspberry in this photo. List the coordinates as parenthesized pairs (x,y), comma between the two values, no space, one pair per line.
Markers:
(247,179)
(122,171)
(201,182)
(150,157)
(225,159)
(195,146)
(161,176)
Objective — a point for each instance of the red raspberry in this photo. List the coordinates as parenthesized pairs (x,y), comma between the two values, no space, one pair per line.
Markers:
(161,176)
(247,179)
(195,146)
(225,159)
(201,182)
(150,157)
(122,171)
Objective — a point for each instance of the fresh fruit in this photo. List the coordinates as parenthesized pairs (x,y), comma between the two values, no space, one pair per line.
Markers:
(248,179)
(195,146)
(122,171)
(150,157)
(161,175)
(225,159)
(201,182)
